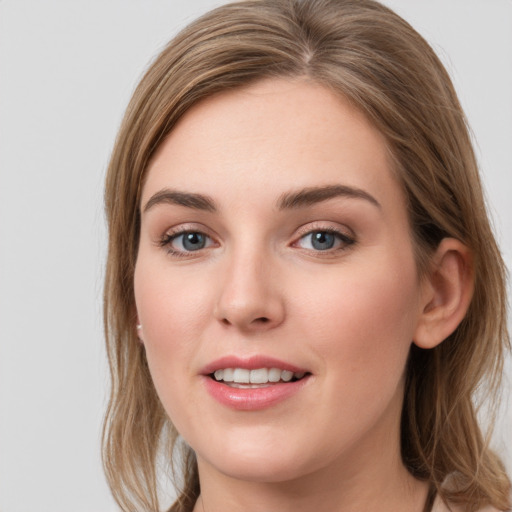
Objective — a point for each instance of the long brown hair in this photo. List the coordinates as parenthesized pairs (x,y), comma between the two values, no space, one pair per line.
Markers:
(365,52)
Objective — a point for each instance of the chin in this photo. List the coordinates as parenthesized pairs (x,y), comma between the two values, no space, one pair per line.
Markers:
(261,461)
(260,469)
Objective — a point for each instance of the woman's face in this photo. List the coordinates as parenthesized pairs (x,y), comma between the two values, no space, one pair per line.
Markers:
(275,245)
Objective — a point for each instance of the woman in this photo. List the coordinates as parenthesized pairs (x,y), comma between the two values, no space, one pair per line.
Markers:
(302,282)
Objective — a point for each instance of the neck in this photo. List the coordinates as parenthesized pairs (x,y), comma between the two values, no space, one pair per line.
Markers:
(406,495)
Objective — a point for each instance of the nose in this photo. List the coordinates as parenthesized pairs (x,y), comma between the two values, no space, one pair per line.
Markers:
(250,298)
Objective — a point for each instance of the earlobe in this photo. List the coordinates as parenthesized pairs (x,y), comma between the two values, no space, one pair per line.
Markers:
(138,328)
(448,290)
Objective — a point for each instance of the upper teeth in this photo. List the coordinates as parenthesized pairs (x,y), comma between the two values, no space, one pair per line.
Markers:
(258,376)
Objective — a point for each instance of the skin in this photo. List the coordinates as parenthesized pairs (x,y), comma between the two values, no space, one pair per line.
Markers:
(347,314)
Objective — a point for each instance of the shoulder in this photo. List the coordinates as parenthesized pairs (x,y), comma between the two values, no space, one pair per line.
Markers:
(439,506)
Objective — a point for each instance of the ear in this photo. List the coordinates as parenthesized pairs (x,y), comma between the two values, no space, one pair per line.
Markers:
(447,293)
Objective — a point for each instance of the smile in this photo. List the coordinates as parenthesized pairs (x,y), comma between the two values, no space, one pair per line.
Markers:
(255,383)
(245,378)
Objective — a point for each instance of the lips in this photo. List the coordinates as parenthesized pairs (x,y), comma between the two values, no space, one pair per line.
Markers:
(255,383)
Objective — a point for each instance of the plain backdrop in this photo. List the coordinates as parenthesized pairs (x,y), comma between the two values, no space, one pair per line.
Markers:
(67,70)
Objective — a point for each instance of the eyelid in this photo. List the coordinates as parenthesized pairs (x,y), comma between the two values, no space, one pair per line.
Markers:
(324,226)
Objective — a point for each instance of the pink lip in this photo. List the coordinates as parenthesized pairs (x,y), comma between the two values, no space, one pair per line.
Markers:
(251,399)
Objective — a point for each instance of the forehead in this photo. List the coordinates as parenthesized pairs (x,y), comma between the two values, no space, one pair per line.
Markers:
(269,137)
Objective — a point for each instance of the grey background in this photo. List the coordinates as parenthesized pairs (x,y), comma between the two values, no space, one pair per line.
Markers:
(67,69)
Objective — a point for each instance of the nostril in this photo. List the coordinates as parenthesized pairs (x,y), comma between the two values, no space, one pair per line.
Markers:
(263,322)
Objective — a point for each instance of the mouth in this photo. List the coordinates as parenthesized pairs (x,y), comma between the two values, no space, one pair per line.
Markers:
(254,383)
(243,378)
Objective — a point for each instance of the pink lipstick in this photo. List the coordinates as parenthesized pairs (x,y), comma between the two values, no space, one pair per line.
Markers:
(254,383)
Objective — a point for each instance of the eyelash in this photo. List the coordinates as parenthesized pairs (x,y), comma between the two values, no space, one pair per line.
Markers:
(168,238)
(343,238)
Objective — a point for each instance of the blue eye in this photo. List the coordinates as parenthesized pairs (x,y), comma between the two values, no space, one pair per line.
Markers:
(187,241)
(193,241)
(324,240)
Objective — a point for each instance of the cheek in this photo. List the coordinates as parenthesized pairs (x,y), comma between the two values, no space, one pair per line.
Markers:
(173,315)
(360,327)
(364,320)
(170,307)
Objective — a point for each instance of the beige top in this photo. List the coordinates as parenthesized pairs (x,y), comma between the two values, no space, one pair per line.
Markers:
(439,506)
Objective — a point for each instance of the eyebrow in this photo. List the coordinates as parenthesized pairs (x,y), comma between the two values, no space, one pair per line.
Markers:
(187,199)
(312,195)
(290,200)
